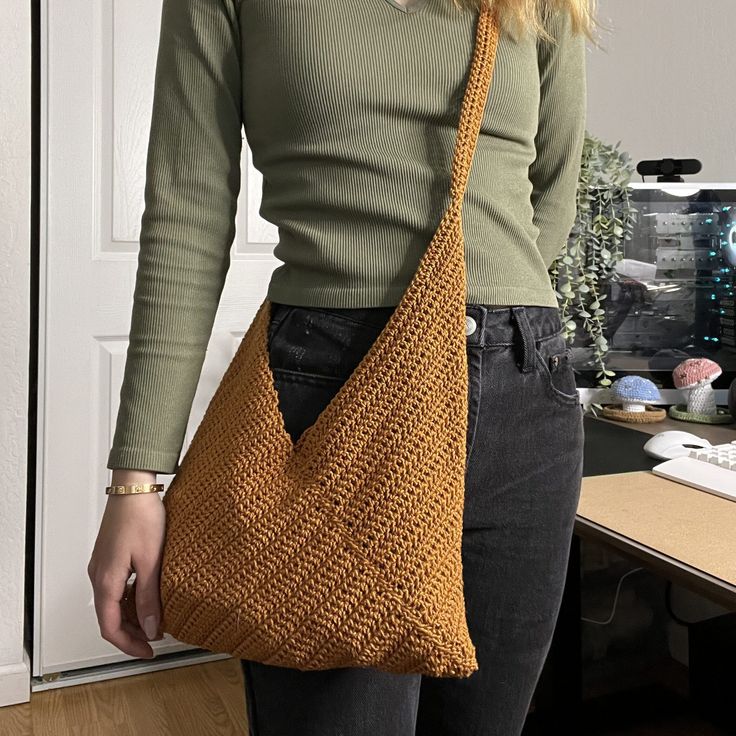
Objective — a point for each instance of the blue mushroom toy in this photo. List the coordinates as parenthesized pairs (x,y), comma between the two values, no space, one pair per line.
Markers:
(633,397)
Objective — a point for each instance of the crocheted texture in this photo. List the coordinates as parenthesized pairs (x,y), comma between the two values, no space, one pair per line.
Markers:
(634,388)
(680,411)
(650,414)
(344,548)
(695,371)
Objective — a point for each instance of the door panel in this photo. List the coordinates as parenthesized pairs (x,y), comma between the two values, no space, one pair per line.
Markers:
(97,84)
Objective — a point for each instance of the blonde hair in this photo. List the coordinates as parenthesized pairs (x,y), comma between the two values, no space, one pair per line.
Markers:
(530,16)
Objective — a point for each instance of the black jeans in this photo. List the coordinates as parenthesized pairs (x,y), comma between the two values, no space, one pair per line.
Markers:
(523,474)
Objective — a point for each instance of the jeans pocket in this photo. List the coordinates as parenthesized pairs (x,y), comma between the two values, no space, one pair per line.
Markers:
(368,318)
(554,361)
(279,313)
(286,375)
(311,344)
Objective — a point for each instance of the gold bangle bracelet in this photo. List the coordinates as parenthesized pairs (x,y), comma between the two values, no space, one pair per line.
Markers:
(132,488)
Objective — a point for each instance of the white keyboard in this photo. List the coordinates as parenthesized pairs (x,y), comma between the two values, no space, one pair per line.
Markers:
(711,469)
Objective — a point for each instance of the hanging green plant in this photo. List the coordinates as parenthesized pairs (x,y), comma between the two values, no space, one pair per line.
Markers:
(604,221)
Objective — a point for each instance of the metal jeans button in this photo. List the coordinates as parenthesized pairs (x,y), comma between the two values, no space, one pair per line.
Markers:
(470,325)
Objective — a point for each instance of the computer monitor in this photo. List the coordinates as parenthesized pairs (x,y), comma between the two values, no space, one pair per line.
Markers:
(671,297)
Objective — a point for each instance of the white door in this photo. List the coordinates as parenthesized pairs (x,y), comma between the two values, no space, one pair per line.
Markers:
(97,90)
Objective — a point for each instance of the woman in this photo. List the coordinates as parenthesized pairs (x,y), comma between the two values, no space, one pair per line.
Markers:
(350,111)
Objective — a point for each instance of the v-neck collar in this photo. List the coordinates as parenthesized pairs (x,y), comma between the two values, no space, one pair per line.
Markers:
(413,7)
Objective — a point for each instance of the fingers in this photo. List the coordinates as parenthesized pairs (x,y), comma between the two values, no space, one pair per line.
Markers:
(108,594)
(130,616)
(148,598)
(135,630)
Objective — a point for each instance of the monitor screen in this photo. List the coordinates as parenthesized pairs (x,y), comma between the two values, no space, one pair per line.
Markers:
(671,295)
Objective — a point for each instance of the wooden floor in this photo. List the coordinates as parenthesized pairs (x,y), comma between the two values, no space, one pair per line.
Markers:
(200,700)
(208,700)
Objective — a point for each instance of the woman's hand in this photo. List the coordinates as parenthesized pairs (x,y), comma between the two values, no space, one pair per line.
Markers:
(130,537)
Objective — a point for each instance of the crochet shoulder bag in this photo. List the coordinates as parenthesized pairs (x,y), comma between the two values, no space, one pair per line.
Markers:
(343,548)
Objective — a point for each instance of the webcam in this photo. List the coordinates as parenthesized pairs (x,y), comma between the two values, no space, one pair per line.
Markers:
(669,169)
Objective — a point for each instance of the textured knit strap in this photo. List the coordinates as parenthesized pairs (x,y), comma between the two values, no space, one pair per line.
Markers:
(474,102)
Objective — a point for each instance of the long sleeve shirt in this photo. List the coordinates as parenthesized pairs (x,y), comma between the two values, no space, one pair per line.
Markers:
(350,110)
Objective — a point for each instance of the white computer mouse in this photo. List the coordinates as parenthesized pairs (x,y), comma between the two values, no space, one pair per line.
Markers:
(673,443)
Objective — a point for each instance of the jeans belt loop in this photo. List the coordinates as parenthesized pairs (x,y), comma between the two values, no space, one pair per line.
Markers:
(527,338)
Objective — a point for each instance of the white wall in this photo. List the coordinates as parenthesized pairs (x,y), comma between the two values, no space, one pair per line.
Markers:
(15,191)
(664,85)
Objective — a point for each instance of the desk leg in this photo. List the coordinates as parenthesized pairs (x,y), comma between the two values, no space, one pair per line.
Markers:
(558,696)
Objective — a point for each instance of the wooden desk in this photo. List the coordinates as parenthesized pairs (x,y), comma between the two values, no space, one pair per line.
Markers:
(684,534)
(687,535)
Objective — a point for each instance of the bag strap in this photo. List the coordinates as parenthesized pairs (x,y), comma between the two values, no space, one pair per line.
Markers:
(474,102)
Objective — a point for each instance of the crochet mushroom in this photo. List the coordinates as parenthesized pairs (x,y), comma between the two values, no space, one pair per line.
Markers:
(695,376)
(634,396)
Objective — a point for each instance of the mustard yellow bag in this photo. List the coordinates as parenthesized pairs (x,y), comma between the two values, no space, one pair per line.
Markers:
(343,548)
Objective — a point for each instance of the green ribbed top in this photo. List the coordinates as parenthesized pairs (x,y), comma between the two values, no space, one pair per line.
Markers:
(350,110)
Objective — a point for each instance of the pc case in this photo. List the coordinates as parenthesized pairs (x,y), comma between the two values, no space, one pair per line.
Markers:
(671,296)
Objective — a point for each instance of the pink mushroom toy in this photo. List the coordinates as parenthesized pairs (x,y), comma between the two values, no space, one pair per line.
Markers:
(696,376)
